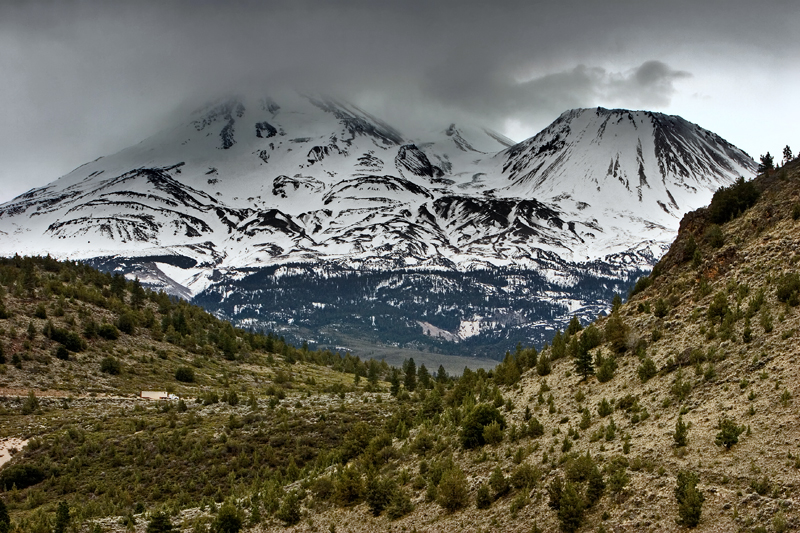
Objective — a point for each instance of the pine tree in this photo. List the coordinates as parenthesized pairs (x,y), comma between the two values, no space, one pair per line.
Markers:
(5,520)
(690,500)
(787,154)
(424,377)
(410,369)
(160,523)
(583,364)
(767,163)
(441,375)
(394,381)
(62,518)
(728,434)
(680,433)
(595,487)
(570,511)
(574,325)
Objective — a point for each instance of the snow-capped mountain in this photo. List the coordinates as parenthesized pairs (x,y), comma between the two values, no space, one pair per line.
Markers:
(302,187)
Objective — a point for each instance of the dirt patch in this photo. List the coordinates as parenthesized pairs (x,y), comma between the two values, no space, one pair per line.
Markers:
(8,447)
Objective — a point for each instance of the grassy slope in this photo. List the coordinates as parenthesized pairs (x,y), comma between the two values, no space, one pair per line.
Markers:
(215,456)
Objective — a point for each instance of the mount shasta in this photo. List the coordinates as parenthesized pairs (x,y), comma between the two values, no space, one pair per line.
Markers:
(312,217)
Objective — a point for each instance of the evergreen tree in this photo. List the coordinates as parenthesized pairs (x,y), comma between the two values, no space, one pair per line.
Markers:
(570,510)
(424,377)
(160,523)
(595,487)
(373,372)
(767,163)
(680,433)
(5,520)
(453,493)
(690,500)
(583,363)
(378,493)
(394,382)
(483,500)
(616,303)
(574,325)
(441,375)
(289,511)
(137,294)
(410,369)
(499,483)
(728,433)
(787,154)
(62,518)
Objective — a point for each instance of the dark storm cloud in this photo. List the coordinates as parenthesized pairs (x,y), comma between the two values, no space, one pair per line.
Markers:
(84,78)
(498,96)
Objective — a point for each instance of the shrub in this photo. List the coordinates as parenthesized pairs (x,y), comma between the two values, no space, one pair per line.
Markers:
(714,236)
(579,468)
(616,333)
(729,202)
(31,404)
(483,500)
(289,511)
(493,433)
(618,478)
(595,487)
(535,428)
(108,332)
(160,523)
(689,249)
(604,408)
(453,493)
(355,442)
(127,323)
(71,340)
(110,365)
(400,505)
(647,369)
(641,284)
(229,518)
(349,487)
(472,429)
(690,500)
(378,493)
(184,374)
(661,309)
(62,353)
(718,307)
(40,311)
(728,433)
(788,289)
(605,367)
(543,366)
(499,483)
(525,477)
(554,492)
(22,476)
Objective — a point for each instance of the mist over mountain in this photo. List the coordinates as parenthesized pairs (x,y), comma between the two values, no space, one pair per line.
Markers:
(309,215)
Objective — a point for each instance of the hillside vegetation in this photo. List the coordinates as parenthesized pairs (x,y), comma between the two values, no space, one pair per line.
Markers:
(678,410)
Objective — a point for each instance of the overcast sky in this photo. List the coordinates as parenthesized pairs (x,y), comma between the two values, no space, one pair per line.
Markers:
(80,80)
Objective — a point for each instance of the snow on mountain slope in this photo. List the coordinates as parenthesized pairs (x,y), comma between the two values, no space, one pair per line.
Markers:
(247,184)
